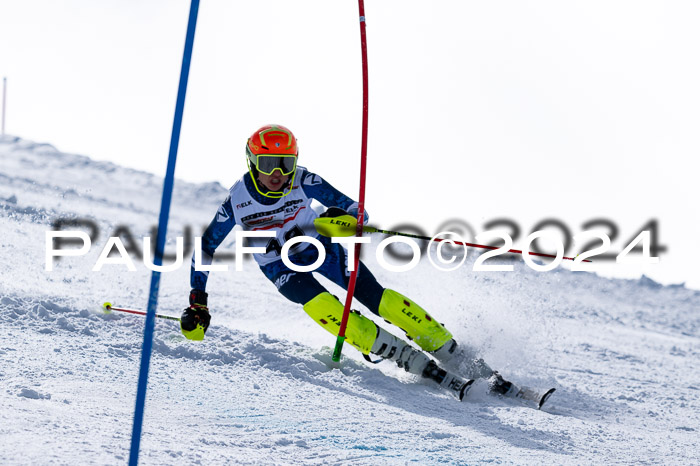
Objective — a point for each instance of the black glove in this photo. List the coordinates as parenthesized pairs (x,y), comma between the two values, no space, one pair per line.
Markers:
(334,212)
(195,319)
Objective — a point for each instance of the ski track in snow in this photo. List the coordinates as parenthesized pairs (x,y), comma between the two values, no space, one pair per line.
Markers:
(623,354)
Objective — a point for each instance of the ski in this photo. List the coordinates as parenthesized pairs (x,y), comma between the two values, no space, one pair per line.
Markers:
(545,397)
(452,383)
(459,361)
(531,397)
(498,386)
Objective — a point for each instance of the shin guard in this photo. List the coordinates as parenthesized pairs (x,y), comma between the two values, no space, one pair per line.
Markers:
(327,311)
(419,326)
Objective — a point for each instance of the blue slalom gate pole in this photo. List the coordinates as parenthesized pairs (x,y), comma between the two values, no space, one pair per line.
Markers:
(160,245)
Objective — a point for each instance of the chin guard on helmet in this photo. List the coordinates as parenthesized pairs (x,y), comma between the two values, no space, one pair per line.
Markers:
(260,188)
(269,149)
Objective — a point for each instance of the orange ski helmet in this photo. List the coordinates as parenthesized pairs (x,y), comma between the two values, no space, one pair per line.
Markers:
(269,149)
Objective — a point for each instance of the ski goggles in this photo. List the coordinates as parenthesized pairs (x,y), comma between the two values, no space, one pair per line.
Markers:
(266,164)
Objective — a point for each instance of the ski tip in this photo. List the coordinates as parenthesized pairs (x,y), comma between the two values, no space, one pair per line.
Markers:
(465,388)
(545,397)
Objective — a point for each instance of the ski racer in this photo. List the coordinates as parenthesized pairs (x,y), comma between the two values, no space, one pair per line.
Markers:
(275,195)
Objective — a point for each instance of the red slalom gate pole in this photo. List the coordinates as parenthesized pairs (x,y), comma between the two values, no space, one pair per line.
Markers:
(363,174)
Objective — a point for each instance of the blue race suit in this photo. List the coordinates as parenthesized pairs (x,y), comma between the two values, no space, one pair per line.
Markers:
(288,216)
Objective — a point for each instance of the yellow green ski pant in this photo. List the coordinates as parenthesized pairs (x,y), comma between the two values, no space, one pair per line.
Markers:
(394,307)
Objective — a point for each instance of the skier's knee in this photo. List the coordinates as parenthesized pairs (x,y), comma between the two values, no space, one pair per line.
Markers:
(327,311)
(419,326)
(298,287)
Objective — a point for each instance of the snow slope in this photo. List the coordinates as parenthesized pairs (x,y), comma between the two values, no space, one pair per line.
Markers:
(623,354)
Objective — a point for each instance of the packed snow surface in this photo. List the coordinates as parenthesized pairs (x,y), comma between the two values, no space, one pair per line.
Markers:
(624,355)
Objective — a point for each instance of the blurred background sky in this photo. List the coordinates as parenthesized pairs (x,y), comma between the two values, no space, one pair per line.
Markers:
(478,110)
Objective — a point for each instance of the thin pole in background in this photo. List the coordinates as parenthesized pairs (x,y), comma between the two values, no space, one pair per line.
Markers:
(363,174)
(4,97)
(160,245)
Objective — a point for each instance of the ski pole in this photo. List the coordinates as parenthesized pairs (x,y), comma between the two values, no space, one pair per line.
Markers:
(109,308)
(4,97)
(368,229)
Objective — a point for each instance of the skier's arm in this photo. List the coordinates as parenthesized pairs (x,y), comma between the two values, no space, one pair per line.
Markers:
(216,232)
(317,188)
(196,318)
